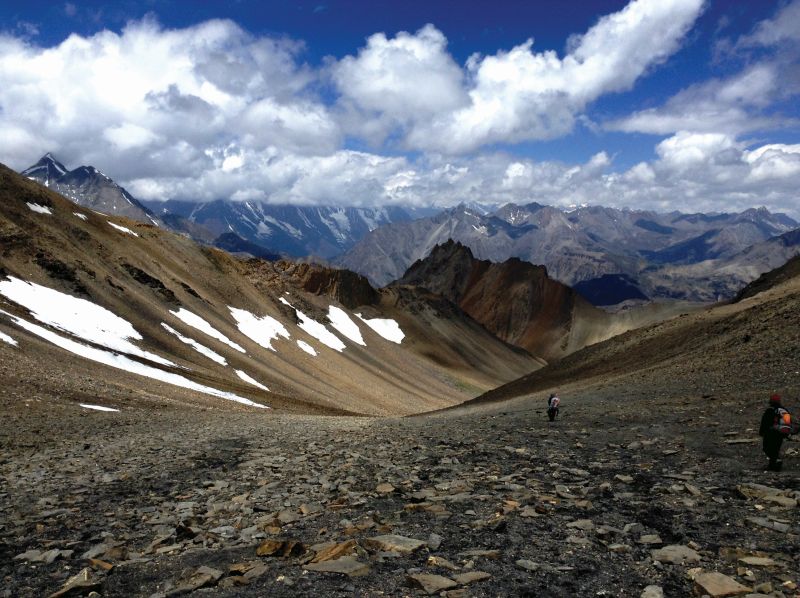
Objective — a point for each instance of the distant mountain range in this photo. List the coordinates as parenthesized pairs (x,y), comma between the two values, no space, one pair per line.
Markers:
(255,227)
(609,255)
(292,230)
(638,254)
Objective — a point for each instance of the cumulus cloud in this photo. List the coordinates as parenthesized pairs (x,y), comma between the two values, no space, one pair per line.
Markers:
(511,96)
(739,103)
(732,105)
(211,111)
(151,101)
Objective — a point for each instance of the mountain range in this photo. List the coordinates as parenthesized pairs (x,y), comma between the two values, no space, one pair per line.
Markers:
(610,256)
(696,257)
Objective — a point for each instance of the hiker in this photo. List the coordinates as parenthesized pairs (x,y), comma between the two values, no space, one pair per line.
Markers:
(776,425)
(552,406)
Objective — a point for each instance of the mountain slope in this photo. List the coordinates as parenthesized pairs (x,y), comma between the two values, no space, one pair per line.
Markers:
(88,187)
(749,348)
(167,321)
(515,300)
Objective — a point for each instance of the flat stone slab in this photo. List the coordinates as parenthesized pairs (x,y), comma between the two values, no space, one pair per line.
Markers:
(758,561)
(432,584)
(718,585)
(346,565)
(675,554)
(465,579)
(393,543)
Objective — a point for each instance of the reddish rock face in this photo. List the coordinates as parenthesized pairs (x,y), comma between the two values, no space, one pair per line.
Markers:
(515,300)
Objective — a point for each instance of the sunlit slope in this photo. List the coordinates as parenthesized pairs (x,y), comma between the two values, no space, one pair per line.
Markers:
(251,330)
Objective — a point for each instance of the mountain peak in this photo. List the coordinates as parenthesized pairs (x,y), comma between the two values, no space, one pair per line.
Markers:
(46,171)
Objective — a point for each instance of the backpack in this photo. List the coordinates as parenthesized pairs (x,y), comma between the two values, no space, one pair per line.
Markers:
(782,423)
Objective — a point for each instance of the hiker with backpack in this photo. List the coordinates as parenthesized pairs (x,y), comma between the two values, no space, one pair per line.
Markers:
(776,426)
(552,406)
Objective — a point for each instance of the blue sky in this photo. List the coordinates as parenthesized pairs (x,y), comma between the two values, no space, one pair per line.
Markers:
(657,104)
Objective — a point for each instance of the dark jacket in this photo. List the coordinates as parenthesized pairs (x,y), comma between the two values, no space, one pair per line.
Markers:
(767,421)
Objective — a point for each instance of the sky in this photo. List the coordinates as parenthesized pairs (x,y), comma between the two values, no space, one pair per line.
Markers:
(667,105)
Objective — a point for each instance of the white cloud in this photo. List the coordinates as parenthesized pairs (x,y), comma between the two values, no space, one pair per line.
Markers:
(410,87)
(731,106)
(211,111)
(151,101)
(784,26)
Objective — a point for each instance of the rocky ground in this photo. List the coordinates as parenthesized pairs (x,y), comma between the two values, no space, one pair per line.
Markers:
(613,499)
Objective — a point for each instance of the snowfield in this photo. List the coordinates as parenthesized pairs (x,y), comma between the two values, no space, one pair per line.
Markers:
(98,407)
(124,363)
(261,331)
(7,339)
(317,330)
(35,207)
(250,380)
(78,317)
(195,321)
(307,348)
(123,229)
(203,350)
(387,328)
(342,322)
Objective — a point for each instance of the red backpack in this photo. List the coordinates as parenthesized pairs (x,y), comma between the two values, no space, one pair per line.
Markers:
(782,423)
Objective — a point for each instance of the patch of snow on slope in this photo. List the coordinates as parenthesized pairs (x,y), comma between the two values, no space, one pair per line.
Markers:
(78,317)
(195,321)
(260,330)
(307,348)
(250,380)
(342,322)
(35,207)
(195,345)
(81,216)
(123,229)
(121,362)
(317,330)
(387,328)
(98,407)
(7,339)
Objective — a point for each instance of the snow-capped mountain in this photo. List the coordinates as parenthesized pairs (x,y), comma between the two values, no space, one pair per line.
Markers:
(322,231)
(88,187)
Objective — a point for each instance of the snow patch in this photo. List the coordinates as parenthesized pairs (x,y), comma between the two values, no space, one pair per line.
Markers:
(123,229)
(98,407)
(195,345)
(78,317)
(387,328)
(260,330)
(81,216)
(124,363)
(342,322)
(307,348)
(35,207)
(250,380)
(317,330)
(195,321)
(7,339)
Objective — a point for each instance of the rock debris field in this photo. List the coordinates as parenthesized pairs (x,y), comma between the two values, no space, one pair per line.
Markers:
(611,500)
